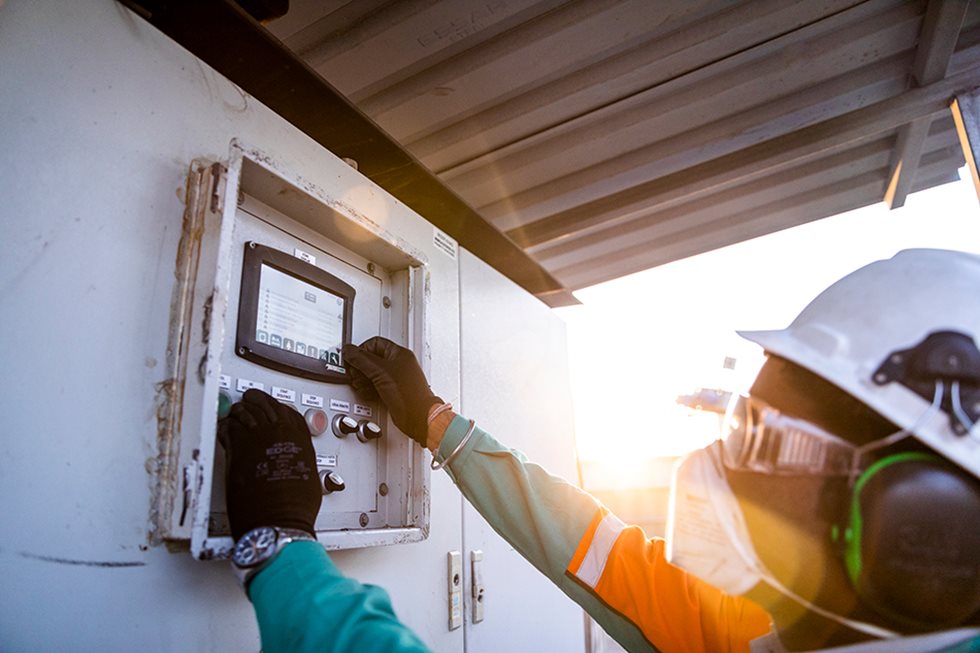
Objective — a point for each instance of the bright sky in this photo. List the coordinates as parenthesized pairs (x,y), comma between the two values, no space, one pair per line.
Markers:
(638,342)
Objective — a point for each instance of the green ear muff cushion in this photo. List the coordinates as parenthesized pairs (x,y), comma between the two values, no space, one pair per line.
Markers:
(912,547)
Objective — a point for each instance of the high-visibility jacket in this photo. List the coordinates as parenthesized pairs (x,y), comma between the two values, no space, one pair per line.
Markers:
(621,578)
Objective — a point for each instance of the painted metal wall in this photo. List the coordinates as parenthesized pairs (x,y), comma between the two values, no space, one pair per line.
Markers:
(101,117)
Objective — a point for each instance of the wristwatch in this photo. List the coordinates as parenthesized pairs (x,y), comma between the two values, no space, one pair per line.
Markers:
(258,547)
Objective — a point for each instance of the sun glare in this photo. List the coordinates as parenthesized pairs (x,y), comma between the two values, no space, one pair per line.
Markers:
(637,343)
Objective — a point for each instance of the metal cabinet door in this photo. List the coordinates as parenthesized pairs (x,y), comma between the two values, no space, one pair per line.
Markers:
(515,383)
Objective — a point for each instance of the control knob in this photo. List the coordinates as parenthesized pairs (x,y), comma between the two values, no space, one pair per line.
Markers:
(368,430)
(331,481)
(343,425)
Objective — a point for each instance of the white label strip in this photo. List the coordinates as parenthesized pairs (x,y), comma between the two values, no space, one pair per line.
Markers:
(284,394)
(340,406)
(316,401)
(362,411)
(304,256)
(329,460)
(245,384)
(445,243)
(224,382)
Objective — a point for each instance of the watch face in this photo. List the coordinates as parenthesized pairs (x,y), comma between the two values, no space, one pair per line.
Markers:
(255,546)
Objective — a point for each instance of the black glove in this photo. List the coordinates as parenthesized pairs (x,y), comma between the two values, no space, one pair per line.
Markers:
(381,367)
(271,477)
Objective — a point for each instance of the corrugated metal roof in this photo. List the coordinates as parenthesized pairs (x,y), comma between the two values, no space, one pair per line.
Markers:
(605,137)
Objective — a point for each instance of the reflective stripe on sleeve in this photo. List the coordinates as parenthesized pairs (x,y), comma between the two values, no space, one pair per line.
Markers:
(592,564)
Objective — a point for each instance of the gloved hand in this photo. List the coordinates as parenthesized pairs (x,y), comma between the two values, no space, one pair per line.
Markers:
(381,367)
(271,477)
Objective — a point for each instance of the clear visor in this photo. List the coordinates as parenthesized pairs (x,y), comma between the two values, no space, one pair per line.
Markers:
(756,437)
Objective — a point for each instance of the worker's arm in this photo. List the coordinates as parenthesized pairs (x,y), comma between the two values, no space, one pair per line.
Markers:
(619,576)
(612,570)
(303,603)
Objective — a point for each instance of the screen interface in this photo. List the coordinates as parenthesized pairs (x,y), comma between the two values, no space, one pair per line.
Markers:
(299,317)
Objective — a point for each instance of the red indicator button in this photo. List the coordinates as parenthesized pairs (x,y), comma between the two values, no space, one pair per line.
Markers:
(317,420)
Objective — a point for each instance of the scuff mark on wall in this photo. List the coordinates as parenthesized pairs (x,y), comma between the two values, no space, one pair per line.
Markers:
(82,563)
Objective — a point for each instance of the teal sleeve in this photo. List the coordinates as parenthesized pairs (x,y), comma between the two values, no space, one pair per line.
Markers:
(303,603)
(542,516)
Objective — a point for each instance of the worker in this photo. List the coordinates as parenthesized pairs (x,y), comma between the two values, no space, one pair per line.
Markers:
(841,507)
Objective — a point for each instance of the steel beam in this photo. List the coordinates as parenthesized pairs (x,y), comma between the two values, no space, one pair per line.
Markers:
(966,115)
(937,42)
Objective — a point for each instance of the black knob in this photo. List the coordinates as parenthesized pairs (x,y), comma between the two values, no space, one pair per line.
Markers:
(331,481)
(368,430)
(343,425)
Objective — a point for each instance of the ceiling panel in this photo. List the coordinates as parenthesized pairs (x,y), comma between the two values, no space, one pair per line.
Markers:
(604,137)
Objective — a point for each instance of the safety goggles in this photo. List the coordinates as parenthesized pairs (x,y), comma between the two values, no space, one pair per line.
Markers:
(756,437)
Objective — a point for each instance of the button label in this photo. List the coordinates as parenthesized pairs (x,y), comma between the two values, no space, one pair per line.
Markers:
(245,384)
(224,382)
(340,406)
(314,401)
(326,460)
(284,394)
(362,411)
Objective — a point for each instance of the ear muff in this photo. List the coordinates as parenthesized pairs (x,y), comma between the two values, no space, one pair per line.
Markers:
(912,545)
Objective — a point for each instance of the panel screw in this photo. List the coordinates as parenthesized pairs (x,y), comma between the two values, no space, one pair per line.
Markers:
(351,162)
(371,268)
(241,197)
(364,519)
(242,350)
(386,302)
(383,489)
(252,244)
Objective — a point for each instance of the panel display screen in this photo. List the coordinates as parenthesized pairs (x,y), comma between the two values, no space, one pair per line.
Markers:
(293,316)
(299,317)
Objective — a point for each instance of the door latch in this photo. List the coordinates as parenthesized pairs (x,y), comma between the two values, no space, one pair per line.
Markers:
(477,587)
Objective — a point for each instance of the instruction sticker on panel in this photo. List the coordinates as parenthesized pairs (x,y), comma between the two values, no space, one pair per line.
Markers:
(445,243)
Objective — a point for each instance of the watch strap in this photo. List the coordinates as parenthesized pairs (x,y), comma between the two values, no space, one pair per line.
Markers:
(284,536)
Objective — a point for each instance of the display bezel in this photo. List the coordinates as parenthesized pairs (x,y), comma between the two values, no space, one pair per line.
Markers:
(248,347)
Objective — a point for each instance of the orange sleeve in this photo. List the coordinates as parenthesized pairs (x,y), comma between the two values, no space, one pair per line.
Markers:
(674,610)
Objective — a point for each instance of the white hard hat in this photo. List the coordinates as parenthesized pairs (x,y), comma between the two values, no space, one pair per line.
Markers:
(849,334)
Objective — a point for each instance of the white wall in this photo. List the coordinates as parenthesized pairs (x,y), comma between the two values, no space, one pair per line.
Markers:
(100,116)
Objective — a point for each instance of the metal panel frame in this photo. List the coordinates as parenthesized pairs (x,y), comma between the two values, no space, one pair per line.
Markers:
(198,353)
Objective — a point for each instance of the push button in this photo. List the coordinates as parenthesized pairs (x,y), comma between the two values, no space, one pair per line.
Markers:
(316,419)
(368,430)
(343,425)
(224,405)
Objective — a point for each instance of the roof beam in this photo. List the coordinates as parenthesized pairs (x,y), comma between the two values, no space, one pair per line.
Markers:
(937,41)
(966,115)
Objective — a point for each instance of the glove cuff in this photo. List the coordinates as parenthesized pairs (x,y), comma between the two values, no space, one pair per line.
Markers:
(420,429)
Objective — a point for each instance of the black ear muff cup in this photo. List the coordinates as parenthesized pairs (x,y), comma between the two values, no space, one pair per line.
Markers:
(912,548)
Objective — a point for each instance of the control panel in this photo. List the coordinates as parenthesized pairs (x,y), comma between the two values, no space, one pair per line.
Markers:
(297,305)
(281,280)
